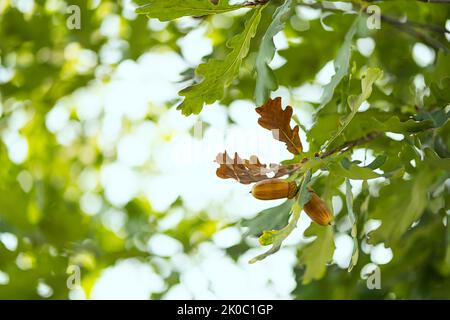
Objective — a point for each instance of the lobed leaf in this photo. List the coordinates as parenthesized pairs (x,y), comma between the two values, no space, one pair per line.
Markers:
(304,193)
(355,101)
(273,117)
(318,253)
(350,170)
(165,10)
(248,171)
(362,124)
(341,64)
(402,202)
(217,75)
(399,205)
(354,222)
(269,219)
(266,80)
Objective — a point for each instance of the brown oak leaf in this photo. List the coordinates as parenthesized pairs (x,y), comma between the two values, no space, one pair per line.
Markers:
(273,117)
(248,171)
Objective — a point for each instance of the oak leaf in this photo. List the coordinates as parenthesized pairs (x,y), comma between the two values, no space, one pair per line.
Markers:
(248,171)
(166,10)
(216,75)
(273,117)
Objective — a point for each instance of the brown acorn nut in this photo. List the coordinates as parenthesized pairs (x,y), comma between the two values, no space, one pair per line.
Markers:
(272,189)
(317,210)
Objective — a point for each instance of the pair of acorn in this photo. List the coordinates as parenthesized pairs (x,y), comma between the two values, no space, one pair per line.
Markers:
(272,189)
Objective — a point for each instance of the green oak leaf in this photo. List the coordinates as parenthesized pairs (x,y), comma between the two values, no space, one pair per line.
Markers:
(269,219)
(355,101)
(377,162)
(303,194)
(165,10)
(341,64)
(354,222)
(318,253)
(399,205)
(436,161)
(367,81)
(266,80)
(217,75)
(350,170)
(438,117)
(402,202)
(362,124)
(394,124)
(276,237)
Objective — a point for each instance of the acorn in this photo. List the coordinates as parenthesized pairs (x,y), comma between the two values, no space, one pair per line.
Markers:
(272,189)
(317,210)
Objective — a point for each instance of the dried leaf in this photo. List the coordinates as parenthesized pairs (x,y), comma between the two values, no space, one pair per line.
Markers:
(273,117)
(248,171)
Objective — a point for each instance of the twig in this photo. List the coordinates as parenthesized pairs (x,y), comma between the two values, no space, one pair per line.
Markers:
(407,27)
(432,27)
(404,26)
(351,144)
(347,146)
(253,3)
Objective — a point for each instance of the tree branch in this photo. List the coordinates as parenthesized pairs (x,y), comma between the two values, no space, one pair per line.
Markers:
(408,27)
(351,144)
(347,146)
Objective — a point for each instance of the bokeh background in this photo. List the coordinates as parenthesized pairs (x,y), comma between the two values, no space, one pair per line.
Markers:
(105,190)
